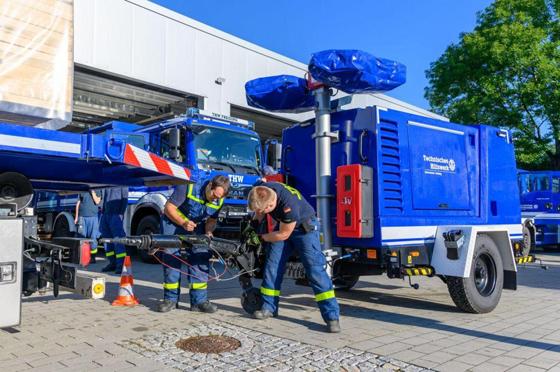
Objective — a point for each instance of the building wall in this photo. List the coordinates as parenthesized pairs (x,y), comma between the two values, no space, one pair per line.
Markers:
(143,41)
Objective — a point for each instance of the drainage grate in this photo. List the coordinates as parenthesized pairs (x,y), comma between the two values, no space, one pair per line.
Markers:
(208,344)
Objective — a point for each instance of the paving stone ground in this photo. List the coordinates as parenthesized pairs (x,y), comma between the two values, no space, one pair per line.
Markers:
(380,317)
(258,352)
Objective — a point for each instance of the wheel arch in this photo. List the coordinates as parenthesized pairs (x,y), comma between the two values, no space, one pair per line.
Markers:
(461,267)
(503,242)
(69,219)
(147,209)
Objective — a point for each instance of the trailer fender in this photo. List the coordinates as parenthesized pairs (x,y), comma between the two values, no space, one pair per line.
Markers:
(445,264)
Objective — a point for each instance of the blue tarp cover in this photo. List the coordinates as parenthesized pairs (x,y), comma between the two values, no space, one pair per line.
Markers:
(281,93)
(355,71)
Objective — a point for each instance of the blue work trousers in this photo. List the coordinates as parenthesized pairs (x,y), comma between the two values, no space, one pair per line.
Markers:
(88,227)
(111,226)
(314,262)
(197,268)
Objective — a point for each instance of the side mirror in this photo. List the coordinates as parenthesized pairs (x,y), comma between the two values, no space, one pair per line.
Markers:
(175,144)
(273,154)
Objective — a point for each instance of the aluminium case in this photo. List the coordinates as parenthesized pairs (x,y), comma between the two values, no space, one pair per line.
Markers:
(427,173)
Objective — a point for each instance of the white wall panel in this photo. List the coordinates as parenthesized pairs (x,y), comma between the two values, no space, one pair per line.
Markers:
(148,46)
(208,67)
(84,11)
(179,55)
(143,41)
(234,62)
(112,47)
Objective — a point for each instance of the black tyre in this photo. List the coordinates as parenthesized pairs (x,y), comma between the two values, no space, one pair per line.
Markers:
(346,282)
(62,228)
(148,225)
(251,300)
(481,291)
(527,240)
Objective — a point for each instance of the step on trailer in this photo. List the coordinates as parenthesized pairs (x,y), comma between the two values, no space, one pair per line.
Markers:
(398,193)
(38,159)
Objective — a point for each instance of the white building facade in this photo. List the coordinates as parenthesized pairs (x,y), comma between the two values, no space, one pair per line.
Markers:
(135,59)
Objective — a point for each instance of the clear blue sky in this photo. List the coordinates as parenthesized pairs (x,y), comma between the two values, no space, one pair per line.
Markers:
(413,32)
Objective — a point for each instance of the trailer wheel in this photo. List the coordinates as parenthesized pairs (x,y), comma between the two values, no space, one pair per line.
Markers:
(148,225)
(481,291)
(251,300)
(346,282)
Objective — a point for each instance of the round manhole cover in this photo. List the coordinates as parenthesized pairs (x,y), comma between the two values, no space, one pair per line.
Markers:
(208,344)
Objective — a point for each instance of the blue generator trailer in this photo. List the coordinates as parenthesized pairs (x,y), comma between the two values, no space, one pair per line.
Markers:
(398,193)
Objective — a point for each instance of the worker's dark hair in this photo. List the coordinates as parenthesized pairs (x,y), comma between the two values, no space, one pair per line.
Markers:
(220,181)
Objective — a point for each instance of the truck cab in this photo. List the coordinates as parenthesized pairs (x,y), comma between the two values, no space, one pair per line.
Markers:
(206,143)
(540,205)
(210,144)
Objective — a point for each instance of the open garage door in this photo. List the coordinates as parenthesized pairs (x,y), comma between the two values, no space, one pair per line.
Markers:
(100,97)
(267,126)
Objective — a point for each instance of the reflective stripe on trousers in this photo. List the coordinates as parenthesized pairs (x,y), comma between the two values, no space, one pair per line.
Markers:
(314,262)
(197,271)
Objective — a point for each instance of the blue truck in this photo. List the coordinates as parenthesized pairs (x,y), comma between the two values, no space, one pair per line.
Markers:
(398,193)
(540,206)
(39,159)
(205,142)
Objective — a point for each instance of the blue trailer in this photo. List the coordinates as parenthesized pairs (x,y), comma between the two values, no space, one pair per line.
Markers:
(38,159)
(204,142)
(540,206)
(398,193)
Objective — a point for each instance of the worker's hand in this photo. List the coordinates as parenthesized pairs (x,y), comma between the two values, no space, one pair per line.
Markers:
(209,234)
(189,225)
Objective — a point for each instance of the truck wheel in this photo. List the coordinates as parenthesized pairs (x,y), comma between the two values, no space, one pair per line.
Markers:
(527,240)
(346,282)
(148,225)
(481,291)
(62,228)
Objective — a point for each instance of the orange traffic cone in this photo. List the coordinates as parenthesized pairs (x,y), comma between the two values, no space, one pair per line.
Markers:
(126,297)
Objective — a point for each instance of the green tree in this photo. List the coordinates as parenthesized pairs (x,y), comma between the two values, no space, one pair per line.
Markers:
(506,72)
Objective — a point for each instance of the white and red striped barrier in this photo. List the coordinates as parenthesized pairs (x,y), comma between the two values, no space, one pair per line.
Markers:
(144,159)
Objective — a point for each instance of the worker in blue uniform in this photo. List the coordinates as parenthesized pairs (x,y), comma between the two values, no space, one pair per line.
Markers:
(192,208)
(115,201)
(87,220)
(296,228)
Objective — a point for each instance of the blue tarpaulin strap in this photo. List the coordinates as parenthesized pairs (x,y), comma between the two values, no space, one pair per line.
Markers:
(355,71)
(281,93)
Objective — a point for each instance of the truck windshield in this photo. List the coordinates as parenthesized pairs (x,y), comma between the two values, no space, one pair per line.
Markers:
(532,182)
(221,146)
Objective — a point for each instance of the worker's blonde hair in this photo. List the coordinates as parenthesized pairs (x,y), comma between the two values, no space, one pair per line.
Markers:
(260,197)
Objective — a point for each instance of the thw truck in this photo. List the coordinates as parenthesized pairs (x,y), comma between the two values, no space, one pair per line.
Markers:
(540,206)
(207,142)
(398,193)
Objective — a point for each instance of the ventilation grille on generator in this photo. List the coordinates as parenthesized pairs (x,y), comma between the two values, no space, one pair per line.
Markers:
(390,163)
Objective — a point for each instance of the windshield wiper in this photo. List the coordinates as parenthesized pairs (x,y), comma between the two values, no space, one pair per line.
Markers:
(224,164)
(252,167)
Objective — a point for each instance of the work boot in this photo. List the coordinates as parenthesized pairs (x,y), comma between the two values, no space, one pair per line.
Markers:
(109,267)
(264,314)
(333,326)
(166,306)
(118,269)
(205,307)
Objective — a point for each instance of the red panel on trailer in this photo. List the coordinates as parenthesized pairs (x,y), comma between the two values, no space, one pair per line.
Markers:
(348,201)
(354,201)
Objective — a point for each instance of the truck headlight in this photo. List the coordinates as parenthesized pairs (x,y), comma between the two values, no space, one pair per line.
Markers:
(7,272)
